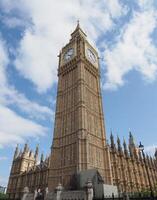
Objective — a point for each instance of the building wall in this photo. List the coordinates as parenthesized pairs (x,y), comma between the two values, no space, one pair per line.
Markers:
(79,141)
(26,172)
(129,169)
(127,166)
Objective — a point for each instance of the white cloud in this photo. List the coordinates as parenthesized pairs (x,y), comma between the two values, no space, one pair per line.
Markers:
(4,60)
(133,51)
(150,150)
(14,128)
(2,158)
(3,181)
(145,4)
(51,22)
(44,23)
(10,96)
(115,8)
(13,22)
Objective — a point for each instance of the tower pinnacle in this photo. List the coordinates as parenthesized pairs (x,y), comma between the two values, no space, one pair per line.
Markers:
(16,151)
(125,148)
(131,140)
(78,23)
(36,153)
(26,148)
(78,31)
(112,142)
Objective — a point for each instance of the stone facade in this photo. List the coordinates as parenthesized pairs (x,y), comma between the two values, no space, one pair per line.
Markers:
(79,141)
(129,167)
(26,172)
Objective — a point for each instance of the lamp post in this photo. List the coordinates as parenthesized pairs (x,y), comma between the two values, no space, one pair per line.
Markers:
(141,148)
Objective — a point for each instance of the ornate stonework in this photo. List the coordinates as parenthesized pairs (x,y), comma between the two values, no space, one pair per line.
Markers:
(79,139)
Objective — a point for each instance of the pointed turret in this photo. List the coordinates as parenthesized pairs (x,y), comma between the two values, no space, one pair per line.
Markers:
(78,24)
(131,145)
(42,158)
(36,153)
(78,32)
(20,153)
(26,148)
(31,153)
(16,151)
(113,146)
(131,140)
(155,153)
(48,161)
(125,149)
(119,145)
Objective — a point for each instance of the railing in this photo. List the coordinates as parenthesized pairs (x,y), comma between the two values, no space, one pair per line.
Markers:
(128,198)
(112,198)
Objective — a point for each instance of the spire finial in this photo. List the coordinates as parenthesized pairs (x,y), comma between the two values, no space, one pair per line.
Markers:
(119,144)
(125,148)
(155,153)
(42,157)
(26,148)
(78,22)
(78,31)
(36,152)
(16,151)
(112,141)
(131,140)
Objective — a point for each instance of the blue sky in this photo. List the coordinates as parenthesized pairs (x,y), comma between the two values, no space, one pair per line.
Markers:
(31,36)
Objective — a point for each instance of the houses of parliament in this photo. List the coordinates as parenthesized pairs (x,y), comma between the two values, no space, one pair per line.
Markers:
(79,137)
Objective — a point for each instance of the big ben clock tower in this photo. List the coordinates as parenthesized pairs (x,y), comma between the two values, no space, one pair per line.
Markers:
(79,140)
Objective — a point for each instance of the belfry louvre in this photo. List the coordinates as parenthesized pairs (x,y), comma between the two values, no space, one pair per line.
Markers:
(79,139)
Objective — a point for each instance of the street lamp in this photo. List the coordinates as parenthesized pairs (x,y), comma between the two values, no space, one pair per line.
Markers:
(141,148)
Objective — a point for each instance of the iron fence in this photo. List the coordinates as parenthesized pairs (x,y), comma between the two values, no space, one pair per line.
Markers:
(129,198)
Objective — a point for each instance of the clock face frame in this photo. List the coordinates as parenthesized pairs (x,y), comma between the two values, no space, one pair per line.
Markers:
(91,56)
(69,54)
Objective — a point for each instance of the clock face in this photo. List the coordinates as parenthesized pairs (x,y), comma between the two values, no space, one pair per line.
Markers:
(69,54)
(91,55)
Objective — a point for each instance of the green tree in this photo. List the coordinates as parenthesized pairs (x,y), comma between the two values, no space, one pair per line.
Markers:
(3,196)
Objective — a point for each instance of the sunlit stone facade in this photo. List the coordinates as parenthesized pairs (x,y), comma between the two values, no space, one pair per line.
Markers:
(79,139)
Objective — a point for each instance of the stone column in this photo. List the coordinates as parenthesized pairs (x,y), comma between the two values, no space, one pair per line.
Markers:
(35,194)
(59,190)
(46,192)
(25,193)
(89,190)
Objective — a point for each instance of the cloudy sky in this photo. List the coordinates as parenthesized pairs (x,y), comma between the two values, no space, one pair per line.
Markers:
(32,32)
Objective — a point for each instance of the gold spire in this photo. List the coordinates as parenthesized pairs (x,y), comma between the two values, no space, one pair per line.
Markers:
(78,31)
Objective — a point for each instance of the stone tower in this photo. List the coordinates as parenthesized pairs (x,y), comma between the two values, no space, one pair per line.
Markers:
(79,140)
(22,161)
